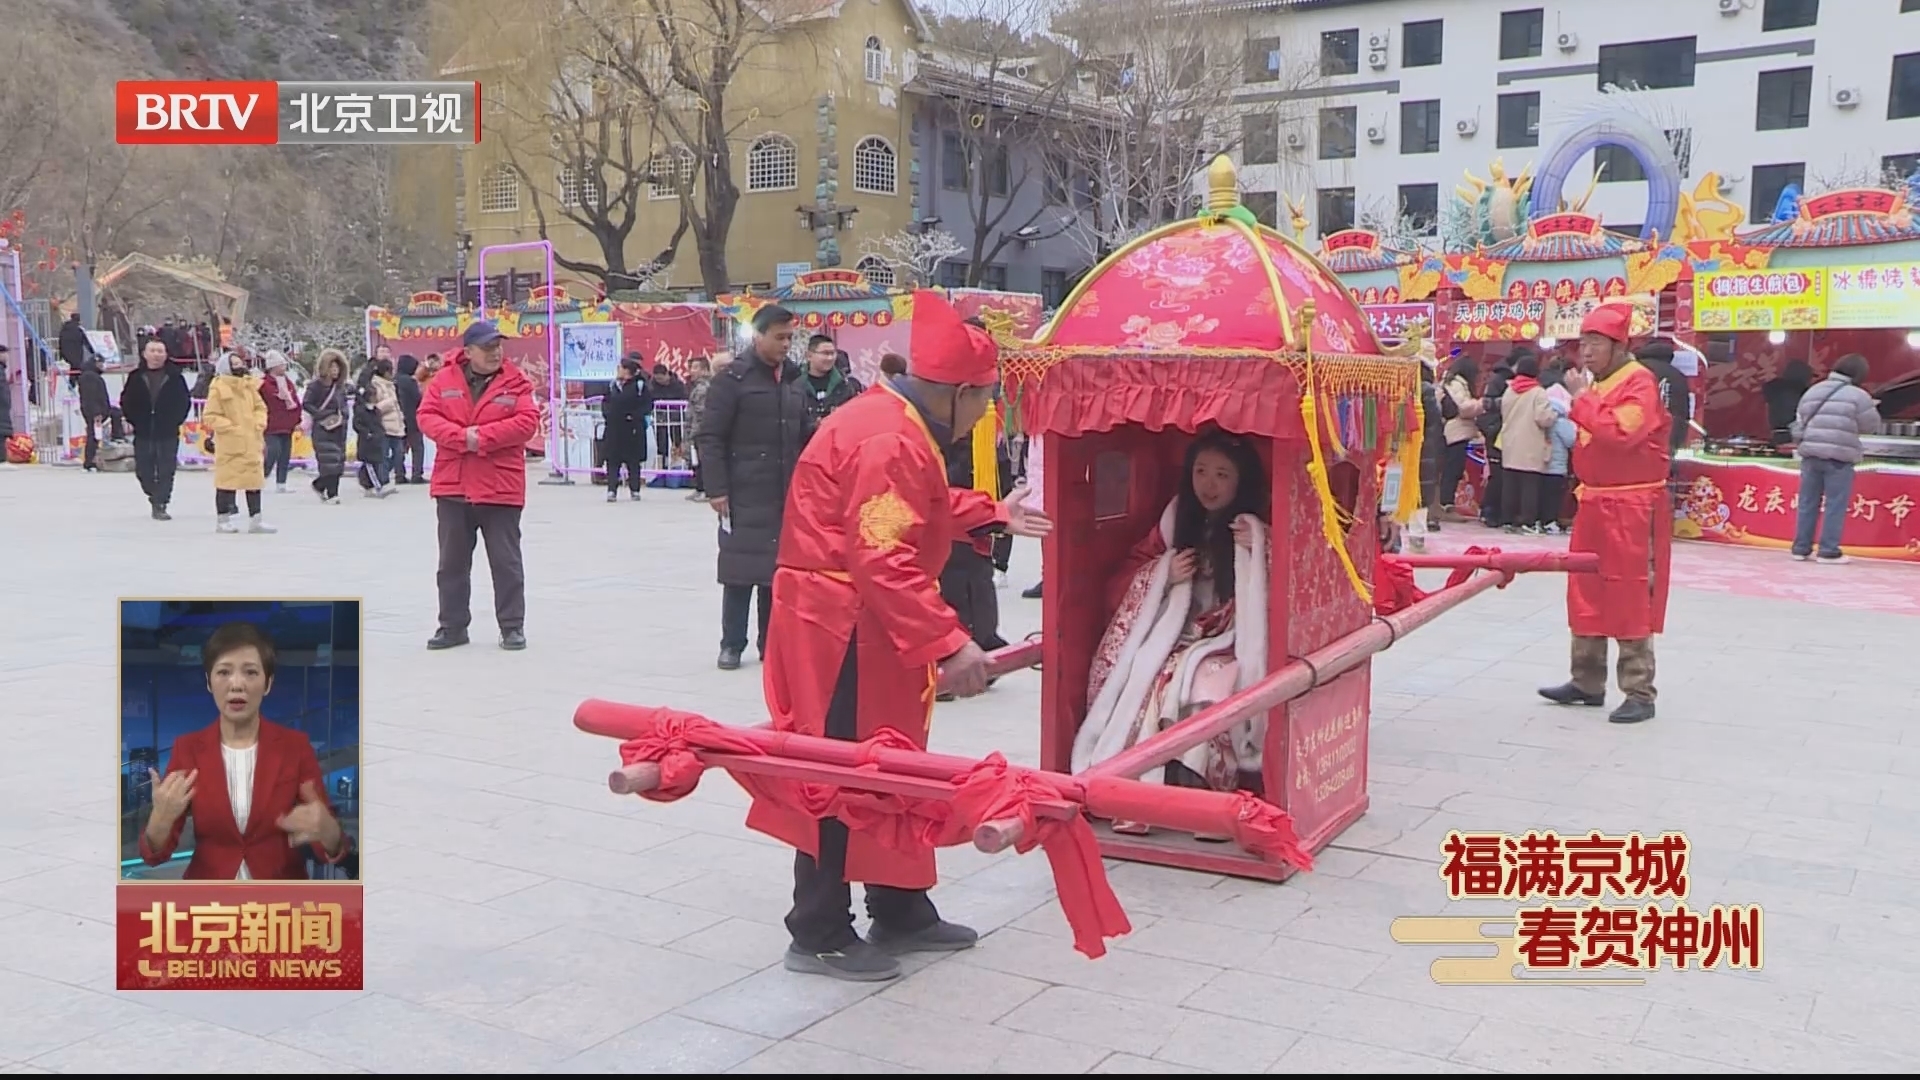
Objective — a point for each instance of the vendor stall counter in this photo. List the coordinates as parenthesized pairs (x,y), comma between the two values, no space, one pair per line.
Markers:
(1754,500)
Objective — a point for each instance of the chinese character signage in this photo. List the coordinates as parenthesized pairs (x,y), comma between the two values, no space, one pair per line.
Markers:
(1760,300)
(1564,317)
(1754,503)
(203,935)
(1517,319)
(1884,296)
(1588,908)
(1390,321)
(206,113)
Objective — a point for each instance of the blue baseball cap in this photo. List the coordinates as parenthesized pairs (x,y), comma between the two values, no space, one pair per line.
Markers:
(480,332)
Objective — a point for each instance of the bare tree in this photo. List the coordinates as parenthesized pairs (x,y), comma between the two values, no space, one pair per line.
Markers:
(680,59)
(1397,227)
(913,256)
(1164,81)
(1002,97)
(30,107)
(1851,172)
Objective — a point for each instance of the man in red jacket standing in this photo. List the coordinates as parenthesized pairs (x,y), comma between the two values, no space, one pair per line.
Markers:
(479,411)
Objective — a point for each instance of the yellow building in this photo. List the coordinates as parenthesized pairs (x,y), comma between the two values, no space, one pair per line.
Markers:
(816,117)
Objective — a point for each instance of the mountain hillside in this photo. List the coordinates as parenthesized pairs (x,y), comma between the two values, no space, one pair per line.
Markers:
(271,39)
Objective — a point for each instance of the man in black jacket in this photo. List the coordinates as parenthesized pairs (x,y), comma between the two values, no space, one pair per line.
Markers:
(96,406)
(1657,357)
(828,387)
(155,403)
(75,349)
(751,432)
(407,388)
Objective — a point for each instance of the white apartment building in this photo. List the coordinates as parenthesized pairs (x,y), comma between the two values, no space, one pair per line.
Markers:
(1402,98)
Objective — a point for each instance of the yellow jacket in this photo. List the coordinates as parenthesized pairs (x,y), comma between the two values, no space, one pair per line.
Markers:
(236,417)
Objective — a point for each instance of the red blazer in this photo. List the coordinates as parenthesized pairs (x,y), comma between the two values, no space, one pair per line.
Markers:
(284,761)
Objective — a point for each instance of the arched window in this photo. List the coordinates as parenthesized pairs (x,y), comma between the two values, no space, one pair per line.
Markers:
(878,273)
(669,173)
(499,190)
(874,167)
(876,60)
(578,188)
(773,164)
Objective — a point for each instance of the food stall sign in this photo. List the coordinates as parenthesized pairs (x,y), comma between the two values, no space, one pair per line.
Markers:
(1884,296)
(1760,300)
(1390,321)
(1563,317)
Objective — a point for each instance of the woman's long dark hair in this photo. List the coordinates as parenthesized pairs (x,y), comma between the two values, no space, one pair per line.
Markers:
(1465,367)
(1211,535)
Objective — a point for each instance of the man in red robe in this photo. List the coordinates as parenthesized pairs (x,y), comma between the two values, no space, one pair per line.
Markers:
(1622,458)
(860,639)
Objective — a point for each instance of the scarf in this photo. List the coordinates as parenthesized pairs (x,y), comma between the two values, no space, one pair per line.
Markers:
(283,386)
(1522,383)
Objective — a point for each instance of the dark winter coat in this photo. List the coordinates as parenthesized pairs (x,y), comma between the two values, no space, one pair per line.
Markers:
(408,389)
(369,431)
(156,416)
(822,400)
(625,409)
(324,399)
(75,349)
(96,401)
(751,432)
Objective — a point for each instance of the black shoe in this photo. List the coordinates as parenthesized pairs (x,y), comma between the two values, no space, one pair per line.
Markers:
(942,936)
(858,962)
(444,638)
(419,479)
(160,513)
(1033,593)
(1569,694)
(513,640)
(943,698)
(1632,711)
(729,660)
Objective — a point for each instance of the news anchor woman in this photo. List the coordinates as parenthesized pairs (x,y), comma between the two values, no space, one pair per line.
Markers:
(252,787)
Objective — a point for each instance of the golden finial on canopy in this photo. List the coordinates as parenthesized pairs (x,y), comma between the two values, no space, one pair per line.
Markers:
(1223,187)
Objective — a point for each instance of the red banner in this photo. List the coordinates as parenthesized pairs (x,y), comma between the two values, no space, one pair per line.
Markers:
(269,935)
(1756,504)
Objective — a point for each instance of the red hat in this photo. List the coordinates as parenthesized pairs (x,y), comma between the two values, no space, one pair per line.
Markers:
(943,349)
(1613,321)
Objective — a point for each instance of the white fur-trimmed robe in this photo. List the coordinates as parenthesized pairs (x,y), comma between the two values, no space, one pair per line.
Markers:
(1124,707)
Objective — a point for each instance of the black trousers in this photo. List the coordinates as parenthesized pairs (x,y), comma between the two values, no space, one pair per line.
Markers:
(967,586)
(92,457)
(630,454)
(328,486)
(1520,496)
(417,447)
(1492,510)
(226,502)
(1453,467)
(461,524)
(1553,497)
(155,459)
(1002,552)
(822,915)
(735,602)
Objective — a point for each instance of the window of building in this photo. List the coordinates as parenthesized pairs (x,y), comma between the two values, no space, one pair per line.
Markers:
(1617,165)
(1339,52)
(1519,123)
(875,171)
(1337,132)
(1264,205)
(995,278)
(1420,208)
(1767,182)
(1189,64)
(1263,60)
(500,190)
(875,55)
(670,173)
(1058,180)
(1789,14)
(1053,288)
(1903,98)
(1521,33)
(1259,138)
(1420,127)
(879,274)
(578,188)
(773,164)
(952,275)
(1681,139)
(1898,167)
(999,171)
(1784,99)
(1420,43)
(1648,65)
(1334,208)
(953,161)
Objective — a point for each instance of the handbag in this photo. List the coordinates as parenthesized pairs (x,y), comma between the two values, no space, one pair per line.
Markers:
(333,420)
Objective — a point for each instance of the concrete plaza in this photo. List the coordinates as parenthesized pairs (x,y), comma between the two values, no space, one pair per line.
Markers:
(521,918)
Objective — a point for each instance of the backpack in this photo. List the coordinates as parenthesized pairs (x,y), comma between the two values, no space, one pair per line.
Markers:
(1449,408)
(1489,419)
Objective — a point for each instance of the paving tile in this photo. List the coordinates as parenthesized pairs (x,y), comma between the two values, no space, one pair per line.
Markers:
(972,993)
(667,1044)
(1122,974)
(794,1057)
(1320,1055)
(389,1035)
(44,1015)
(924,1040)
(1222,1044)
(622,915)
(63,948)
(1114,1023)
(776,1003)
(170,1039)
(1761,1047)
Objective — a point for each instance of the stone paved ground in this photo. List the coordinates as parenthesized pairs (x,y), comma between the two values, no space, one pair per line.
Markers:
(521,918)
